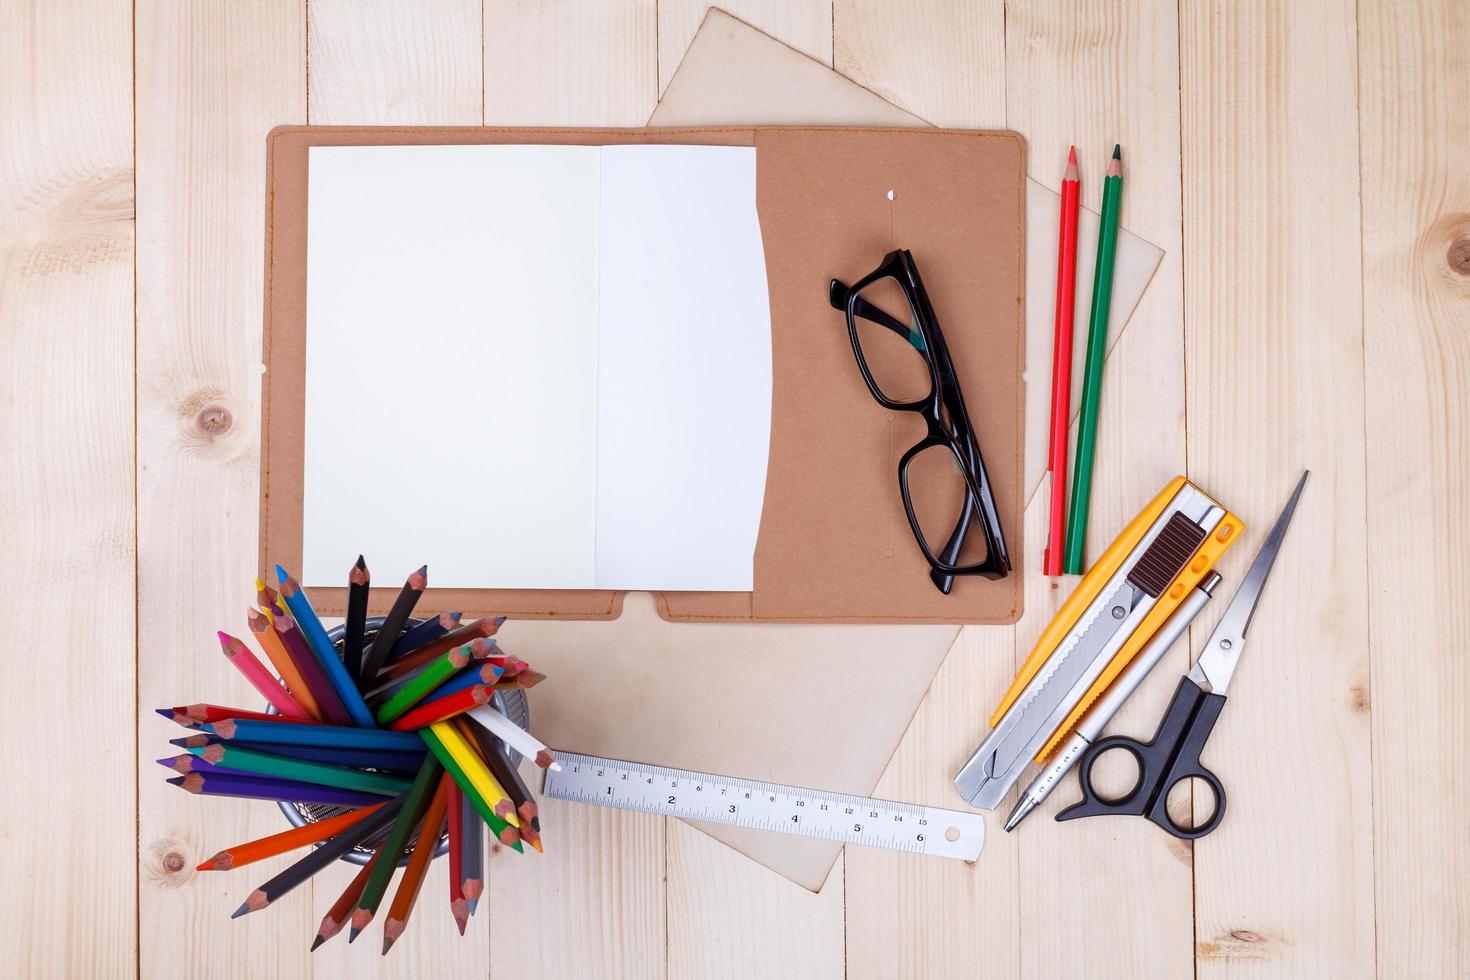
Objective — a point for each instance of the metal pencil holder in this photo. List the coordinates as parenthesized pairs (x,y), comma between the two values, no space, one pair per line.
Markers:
(513,704)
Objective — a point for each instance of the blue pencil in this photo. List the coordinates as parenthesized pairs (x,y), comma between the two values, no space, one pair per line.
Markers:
(416,636)
(326,654)
(291,733)
(381,759)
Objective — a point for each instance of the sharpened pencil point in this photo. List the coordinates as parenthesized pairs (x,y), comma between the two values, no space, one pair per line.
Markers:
(244,907)
(387,945)
(317,941)
(281,574)
(166,712)
(352,934)
(360,563)
(1117,151)
(1072,172)
(470,904)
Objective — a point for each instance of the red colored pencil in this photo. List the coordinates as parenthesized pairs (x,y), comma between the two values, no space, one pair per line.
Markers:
(203,714)
(1061,370)
(427,712)
(458,907)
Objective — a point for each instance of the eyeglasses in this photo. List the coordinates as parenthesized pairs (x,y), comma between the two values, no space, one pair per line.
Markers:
(906,364)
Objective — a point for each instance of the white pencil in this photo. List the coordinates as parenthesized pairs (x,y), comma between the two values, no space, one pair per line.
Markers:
(515,736)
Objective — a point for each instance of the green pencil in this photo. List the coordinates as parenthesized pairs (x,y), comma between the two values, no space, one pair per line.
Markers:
(430,676)
(1097,349)
(320,773)
(503,831)
(414,804)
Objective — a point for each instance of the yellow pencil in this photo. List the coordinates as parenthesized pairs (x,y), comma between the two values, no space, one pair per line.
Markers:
(476,771)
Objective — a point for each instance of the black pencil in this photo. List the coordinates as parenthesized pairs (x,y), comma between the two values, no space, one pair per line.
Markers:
(377,655)
(320,857)
(358,580)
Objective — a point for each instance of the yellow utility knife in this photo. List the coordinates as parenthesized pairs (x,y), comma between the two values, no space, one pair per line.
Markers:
(1120,602)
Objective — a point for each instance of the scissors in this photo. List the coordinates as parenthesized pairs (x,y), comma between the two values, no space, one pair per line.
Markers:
(1172,756)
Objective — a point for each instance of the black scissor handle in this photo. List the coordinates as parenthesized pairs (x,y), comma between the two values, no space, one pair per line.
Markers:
(1171,757)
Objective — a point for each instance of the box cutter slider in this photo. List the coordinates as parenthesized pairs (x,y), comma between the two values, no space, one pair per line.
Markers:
(1121,601)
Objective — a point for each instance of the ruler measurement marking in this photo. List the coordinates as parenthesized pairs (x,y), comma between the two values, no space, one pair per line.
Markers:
(775,807)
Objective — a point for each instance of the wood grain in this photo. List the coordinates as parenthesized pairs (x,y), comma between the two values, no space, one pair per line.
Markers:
(66,486)
(560,64)
(383,63)
(1416,326)
(1094,75)
(1274,334)
(211,81)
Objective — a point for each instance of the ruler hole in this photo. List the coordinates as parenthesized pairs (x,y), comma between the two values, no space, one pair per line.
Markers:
(952,834)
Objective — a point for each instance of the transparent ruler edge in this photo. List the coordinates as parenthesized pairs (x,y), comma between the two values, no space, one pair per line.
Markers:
(887,824)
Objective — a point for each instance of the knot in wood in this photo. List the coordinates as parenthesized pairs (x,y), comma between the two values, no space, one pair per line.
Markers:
(213,420)
(1458,256)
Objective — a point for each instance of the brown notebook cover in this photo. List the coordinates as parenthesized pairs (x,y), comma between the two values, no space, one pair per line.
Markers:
(834,545)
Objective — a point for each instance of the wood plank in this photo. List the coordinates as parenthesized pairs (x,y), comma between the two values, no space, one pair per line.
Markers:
(558,64)
(805,25)
(1274,334)
(211,81)
(941,60)
(1416,325)
(730,917)
(915,916)
(1095,75)
(379,64)
(593,905)
(66,479)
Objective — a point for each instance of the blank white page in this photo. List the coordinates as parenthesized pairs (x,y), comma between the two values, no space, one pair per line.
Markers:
(684,407)
(451,368)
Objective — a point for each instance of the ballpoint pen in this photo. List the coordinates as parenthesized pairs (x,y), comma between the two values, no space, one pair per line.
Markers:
(1102,712)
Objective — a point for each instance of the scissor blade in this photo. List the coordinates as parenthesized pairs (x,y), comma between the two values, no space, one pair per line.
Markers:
(1216,663)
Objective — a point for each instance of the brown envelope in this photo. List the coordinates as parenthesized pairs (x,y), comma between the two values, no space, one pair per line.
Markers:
(733,74)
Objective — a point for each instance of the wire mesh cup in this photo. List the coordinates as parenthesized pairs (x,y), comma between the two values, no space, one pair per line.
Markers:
(512,704)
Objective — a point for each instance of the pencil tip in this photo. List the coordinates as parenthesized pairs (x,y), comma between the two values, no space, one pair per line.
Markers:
(317,941)
(1072,154)
(387,945)
(175,780)
(244,907)
(280,573)
(166,712)
(1117,151)
(470,904)
(360,562)
(352,934)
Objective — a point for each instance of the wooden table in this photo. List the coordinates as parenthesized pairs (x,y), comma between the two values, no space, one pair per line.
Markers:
(1305,167)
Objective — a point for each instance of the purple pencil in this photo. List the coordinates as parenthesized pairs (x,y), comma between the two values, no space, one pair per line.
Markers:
(186,764)
(267,788)
(311,671)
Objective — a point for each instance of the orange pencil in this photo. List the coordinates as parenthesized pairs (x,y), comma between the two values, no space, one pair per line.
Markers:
(412,881)
(275,651)
(258,850)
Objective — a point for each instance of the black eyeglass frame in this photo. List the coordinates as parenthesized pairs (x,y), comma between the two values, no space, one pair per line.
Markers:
(943,400)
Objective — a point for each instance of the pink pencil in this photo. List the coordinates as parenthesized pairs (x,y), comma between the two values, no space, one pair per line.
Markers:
(260,678)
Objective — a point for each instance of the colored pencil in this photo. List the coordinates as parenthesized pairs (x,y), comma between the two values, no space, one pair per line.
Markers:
(472,856)
(267,598)
(480,649)
(358,582)
(284,767)
(288,840)
(516,737)
(383,760)
(342,907)
(486,673)
(430,629)
(440,708)
(412,881)
(326,653)
(393,623)
(1061,369)
(240,657)
(434,735)
(295,733)
(332,708)
(319,857)
(187,763)
(455,809)
(497,758)
(263,788)
(440,670)
(1097,349)
(270,642)
(523,681)
(195,714)
(415,801)
(480,629)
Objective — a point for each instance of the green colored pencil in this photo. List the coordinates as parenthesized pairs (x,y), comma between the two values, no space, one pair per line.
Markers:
(1097,349)
(414,805)
(283,767)
(503,831)
(436,672)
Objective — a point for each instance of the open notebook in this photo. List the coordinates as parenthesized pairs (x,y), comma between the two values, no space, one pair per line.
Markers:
(588,328)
